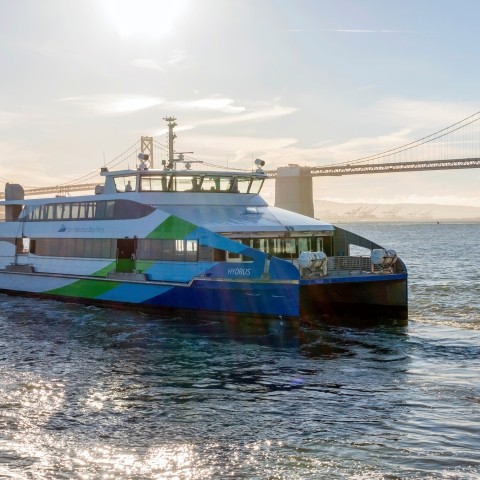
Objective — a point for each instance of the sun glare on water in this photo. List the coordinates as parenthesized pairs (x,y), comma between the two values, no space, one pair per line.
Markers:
(152,18)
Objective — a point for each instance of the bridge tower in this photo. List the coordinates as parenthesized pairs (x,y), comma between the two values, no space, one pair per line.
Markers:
(146,147)
(293,189)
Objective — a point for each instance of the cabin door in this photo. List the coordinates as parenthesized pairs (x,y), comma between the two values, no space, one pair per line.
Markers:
(125,254)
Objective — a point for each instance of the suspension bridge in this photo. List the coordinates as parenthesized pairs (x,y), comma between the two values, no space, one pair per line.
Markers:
(456,146)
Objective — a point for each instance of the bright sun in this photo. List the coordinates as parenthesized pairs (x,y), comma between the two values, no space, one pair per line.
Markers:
(144,17)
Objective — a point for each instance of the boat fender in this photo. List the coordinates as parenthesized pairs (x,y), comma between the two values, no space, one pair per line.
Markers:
(383,257)
(312,259)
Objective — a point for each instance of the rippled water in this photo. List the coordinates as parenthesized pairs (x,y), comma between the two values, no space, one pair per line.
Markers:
(96,393)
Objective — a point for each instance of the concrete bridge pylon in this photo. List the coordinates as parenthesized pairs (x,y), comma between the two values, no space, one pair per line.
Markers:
(294,189)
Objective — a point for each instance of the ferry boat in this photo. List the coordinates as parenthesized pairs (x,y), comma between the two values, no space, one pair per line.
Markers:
(183,239)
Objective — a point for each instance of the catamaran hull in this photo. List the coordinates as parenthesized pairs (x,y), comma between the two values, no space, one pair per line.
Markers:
(368,298)
(264,299)
(364,297)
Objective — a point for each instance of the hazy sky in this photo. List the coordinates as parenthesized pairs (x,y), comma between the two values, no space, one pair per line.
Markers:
(290,81)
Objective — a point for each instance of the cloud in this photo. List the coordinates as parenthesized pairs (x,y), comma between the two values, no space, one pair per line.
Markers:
(148,63)
(8,119)
(20,164)
(237,114)
(238,149)
(212,104)
(347,30)
(261,114)
(109,104)
(175,59)
(178,56)
(342,30)
(423,114)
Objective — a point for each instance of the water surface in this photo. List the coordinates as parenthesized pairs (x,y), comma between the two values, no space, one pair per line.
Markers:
(89,393)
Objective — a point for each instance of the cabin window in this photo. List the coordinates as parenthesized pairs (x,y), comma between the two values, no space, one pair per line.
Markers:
(126,184)
(34,213)
(241,184)
(126,209)
(22,245)
(186,183)
(109,210)
(167,250)
(48,212)
(82,210)
(100,210)
(154,183)
(256,186)
(73,247)
(216,184)
(284,247)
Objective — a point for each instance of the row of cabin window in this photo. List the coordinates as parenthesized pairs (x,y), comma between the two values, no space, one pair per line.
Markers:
(189,183)
(285,247)
(96,210)
(72,211)
(146,249)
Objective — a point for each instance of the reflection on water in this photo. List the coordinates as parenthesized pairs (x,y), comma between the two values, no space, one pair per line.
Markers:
(91,392)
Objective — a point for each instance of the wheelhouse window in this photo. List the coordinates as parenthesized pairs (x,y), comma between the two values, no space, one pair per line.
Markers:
(200,183)
(256,186)
(241,184)
(188,183)
(126,183)
(154,183)
(217,184)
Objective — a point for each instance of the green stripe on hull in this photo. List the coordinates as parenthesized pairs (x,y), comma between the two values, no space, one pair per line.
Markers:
(84,289)
(104,271)
(173,228)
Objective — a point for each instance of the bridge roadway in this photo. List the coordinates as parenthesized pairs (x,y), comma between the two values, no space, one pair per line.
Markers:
(335,170)
(351,169)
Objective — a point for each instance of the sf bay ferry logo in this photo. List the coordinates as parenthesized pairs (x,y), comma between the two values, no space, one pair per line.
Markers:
(87,229)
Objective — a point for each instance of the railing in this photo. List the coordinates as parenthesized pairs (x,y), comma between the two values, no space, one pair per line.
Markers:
(337,265)
(346,265)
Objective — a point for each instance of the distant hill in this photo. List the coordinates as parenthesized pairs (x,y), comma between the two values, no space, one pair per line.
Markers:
(376,212)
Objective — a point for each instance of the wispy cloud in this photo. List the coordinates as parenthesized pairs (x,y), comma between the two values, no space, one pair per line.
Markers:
(113,104)
(218,104)
(175,59)
(422,114)
(342,30)
(253,115)
(148,63)
(178,56)
(239,148)
(8,119)
(355,30)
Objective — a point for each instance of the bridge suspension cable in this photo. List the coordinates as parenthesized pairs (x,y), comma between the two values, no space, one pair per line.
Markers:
(428,139)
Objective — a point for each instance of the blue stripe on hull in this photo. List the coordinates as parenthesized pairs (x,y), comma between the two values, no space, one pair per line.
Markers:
(257,299)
